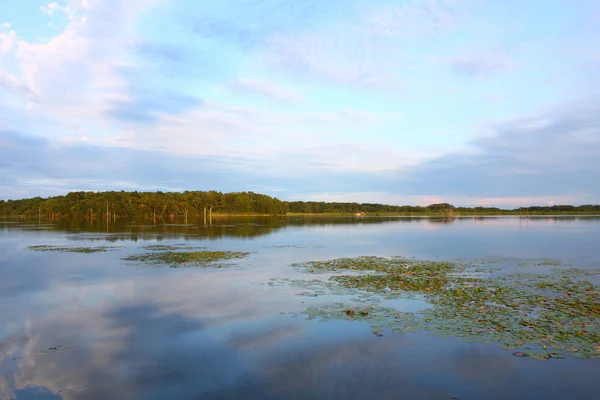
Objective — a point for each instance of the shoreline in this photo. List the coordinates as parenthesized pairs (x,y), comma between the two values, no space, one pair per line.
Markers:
(375,215)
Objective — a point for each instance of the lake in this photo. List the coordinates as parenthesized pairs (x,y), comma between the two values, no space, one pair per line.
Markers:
(78,320)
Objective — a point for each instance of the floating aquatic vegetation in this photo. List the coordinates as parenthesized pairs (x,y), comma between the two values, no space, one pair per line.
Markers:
(486,260)
(542,315)
(177,259)
(284,246)
(166,247)
(58,349)
(316,287)
(543,262)
(69,249)
(293,246)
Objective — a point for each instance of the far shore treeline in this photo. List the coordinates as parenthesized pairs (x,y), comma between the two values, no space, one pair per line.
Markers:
(160,205)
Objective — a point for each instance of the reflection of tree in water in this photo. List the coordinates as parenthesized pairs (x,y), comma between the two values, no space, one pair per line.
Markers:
(242,227)
(229,226)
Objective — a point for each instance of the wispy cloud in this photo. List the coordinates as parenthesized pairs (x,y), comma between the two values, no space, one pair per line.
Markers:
(553,154)
(46,167)
(369,48)
(307,97)
(13,84)
(265,89)
(148,107)
(414,18)
(161,51)
(427,199)
(547,158)
(51,8)
(482,64)
(248,25)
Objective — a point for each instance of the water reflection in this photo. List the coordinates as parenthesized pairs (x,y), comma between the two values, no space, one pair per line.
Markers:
(151,333)
(144,352)
(246,227)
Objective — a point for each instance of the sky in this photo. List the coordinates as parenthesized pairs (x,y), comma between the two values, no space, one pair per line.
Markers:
(471,102)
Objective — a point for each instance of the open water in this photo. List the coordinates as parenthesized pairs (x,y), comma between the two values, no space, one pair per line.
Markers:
(94,326)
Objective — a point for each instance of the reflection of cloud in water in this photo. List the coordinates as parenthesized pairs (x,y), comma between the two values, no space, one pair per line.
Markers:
(413,367)
(126,330)
(72,372)
(142,351)
(136,350)
(263,337)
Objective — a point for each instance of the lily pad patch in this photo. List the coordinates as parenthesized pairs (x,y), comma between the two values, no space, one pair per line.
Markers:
(543,316)
(72,249)
(178,259)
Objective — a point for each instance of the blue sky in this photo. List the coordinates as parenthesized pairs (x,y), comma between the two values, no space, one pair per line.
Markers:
(473,102)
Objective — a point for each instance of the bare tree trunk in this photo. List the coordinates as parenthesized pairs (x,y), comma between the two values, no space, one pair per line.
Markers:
(210,215)
(204,216)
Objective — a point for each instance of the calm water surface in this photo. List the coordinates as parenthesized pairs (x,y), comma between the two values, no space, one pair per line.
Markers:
(135,332)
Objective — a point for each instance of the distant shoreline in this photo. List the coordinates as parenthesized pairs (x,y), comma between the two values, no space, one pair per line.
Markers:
(347,215)
(154,206)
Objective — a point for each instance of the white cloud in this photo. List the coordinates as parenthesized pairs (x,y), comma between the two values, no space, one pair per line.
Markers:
(13,84)
(64,66)
(75,75)
(7,42)
(51,8)
(5,25)
(300,140)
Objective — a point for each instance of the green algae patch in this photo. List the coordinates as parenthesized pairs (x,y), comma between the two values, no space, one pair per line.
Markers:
(177,259)
(285,246)
(543,316)
(543,262)
(166,247)
(69,249)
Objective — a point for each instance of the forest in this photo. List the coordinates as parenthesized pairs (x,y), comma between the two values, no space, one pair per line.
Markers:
(163,205)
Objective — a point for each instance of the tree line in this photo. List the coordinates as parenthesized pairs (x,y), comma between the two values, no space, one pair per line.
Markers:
(163,205)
